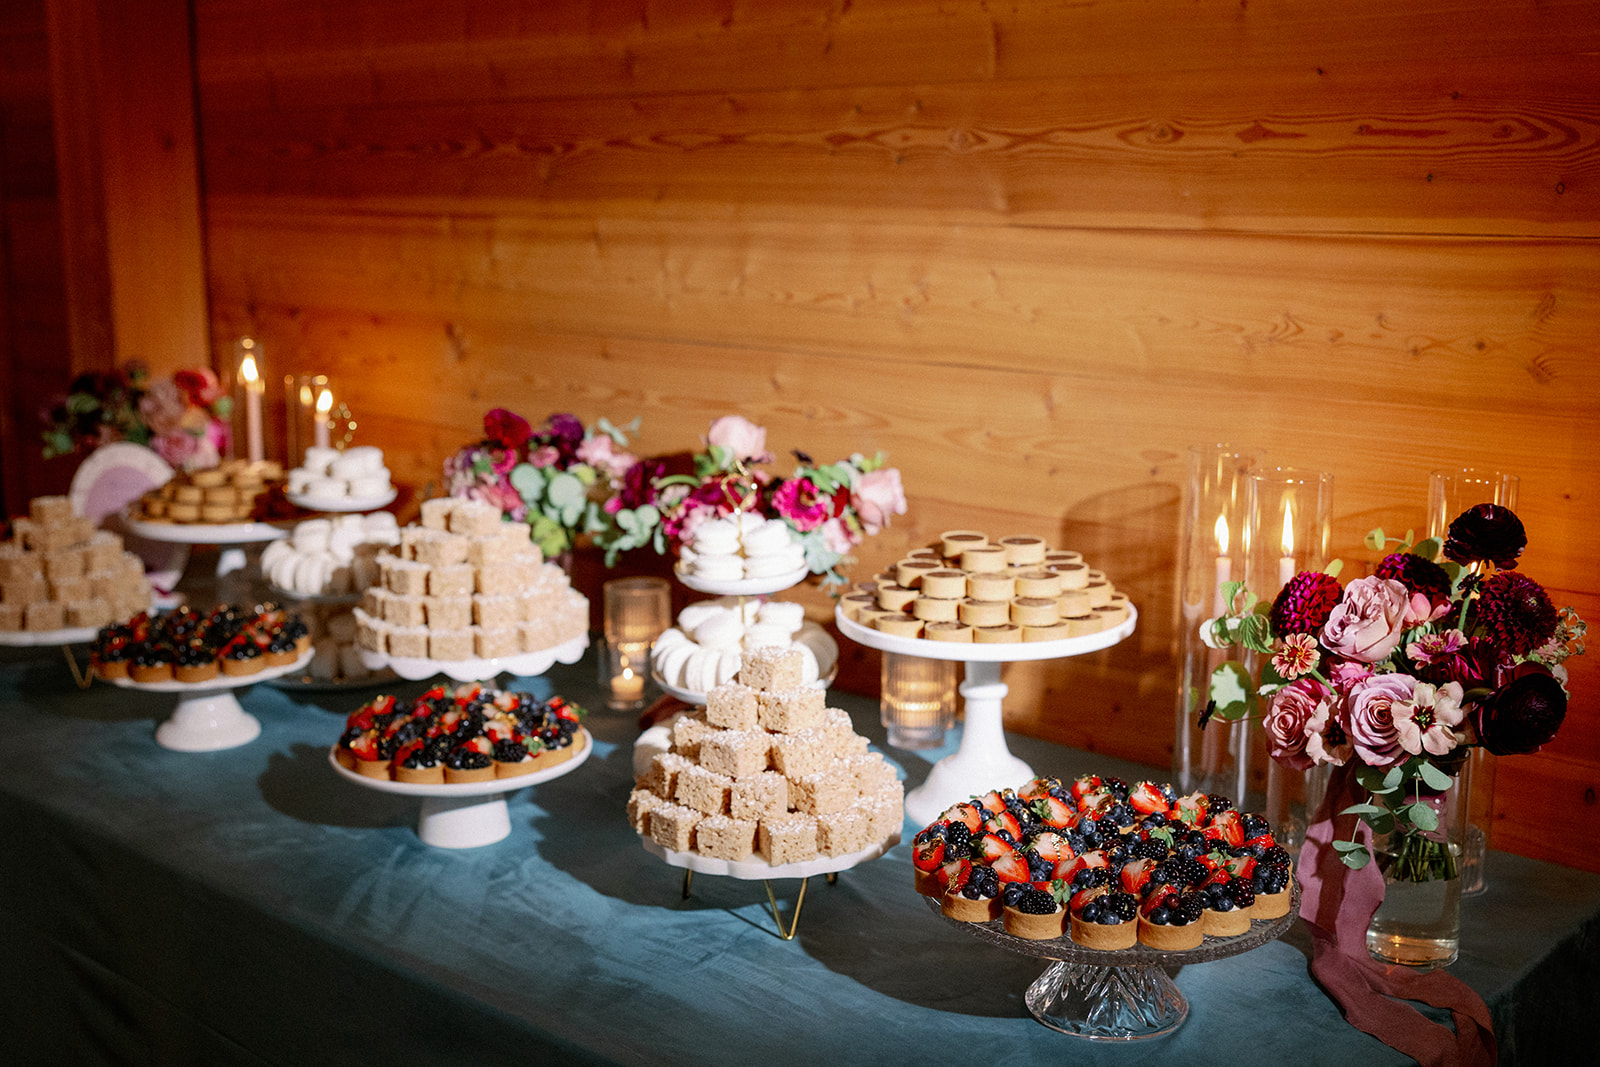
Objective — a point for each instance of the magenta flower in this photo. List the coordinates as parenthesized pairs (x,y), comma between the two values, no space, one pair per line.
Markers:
(1304,603)
(506,428)
(1516,611)
(798,501)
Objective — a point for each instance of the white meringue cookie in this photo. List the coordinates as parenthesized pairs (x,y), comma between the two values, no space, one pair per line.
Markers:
(719,631)
(767,539)
(719,568)
(318,458)
(715,537)
(785,613)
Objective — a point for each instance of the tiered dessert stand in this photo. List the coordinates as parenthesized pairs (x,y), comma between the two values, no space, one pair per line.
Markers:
(1123,994)
(983,760)
(522,665)
(208,717)
(471,814)
(231,537)
(343,504)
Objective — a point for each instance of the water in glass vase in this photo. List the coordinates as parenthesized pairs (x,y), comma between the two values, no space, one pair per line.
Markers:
(1419,923)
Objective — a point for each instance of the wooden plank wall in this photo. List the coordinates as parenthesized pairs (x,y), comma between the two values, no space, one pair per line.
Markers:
(1034,250)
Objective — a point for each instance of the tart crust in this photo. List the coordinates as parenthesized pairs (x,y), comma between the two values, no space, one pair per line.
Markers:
(1171,938)
(961,909)
(1035,927)
(1104,937)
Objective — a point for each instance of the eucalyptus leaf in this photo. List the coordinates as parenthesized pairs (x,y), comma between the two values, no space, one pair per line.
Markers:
(1365,809)
(1356,860)
(1428,549)
(1375,539)
(1231,691)
(1333,568)
(1348,846)
(528,481)
(1393,778)
(1422,816)
(1433,777)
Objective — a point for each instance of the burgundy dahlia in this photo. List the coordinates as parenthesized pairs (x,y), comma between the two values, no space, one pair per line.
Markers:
(1516,611)
(1523,715)
(506,428)
(1418,575)
(1303,606)
(1486,532)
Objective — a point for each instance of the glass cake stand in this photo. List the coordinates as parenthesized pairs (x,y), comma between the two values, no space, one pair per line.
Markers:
(208,717)
(523,664)
(1123,994)
(468,814)
(983,758)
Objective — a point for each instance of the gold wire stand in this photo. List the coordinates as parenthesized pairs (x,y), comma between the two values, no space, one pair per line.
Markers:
(772,902)
(80,676)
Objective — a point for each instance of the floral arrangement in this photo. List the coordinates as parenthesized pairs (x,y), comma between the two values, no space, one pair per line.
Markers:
(830,508)
(183,419)
(558,479)
(1445,647)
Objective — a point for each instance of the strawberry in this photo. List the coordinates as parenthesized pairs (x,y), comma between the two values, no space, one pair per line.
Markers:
(991,802)
(365,747)
(1264,842)
(1095,801)
(1220,876)
(1086,783)
(1055,812)
(987,848)
(1083,896)
(964,812)
(926,855)
(1051,846)
(1147,798)
(1012,867)
(1225,826)
(953,875)
(1006,821)
(1192,809)
(1068,869)
(1135,873)
(1156,895)
(1039,787)
(467,692)
(1240,866)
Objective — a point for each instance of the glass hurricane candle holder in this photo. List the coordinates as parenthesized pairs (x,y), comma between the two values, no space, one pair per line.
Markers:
(624,666)
(918,701)
(250,382)
(1450,492)
(636,611)
(1210,553)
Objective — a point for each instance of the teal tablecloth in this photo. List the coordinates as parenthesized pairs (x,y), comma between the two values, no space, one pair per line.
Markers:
(250,907)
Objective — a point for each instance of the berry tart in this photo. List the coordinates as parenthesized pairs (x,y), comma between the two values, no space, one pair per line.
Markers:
(193,648)
(1105,863)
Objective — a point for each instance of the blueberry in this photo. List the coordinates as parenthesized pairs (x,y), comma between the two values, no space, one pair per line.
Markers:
(1160,916)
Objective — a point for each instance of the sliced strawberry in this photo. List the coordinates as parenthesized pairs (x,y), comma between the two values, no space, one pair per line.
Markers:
(1191,809)
(926,855)
(1083,896)
(1264,842)
(467,692)
(1220,876)
(1096,800)
(1146,798)
(1051,846)
(1135,873)
(1055,812)
(987,848)
(991,802)
(964,812)
(365,747)
(1039,787)
(953,875)
(1069,869)
(1226,826)
(1004,821)
(1086,783)
(1156,896)
(433,694)
(1240,866)
(1012,868)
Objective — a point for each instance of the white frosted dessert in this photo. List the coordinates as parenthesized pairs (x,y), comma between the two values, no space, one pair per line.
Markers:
(742,546)
(703,650)
(332,477)
(323,557)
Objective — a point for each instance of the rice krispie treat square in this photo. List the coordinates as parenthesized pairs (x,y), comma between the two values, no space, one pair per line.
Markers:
(790,710)
(853,745)
(442,550)
(436,512)
(672,826)
(474,518)
(450,644)
(828,791)
(662,776)
(840,833)
(759,795)
(448,612)
(10,618)
(799,755)
(498,579)
(725,838)
(105,549)
(410,642)
(50,510)
(772,668)
(43,615)
(65,563)
(640,803)
(703,790)
(452,579)
(788,838)
(412,536)
(732,706)
(32,590)
(872,773)
(497,642)
(404,576)
(17,565)
(484,550)
(537,634)
(371,634)
(68,589)
(489,610)
(373,600)
(687,730)
(92,612)
(405,611)
(887,812)
(735,753)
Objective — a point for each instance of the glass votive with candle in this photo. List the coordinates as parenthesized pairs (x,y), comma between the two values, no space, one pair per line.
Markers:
(300,392)
(636,611)
(251,380)
(918,699)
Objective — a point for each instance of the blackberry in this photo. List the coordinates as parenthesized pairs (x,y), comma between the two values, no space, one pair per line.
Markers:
(466,759)
(1268,880)
(1185,870)
(1254,826)
(1117,787)
(1241,894)
(1189,909)
(509,751)
(1216,803)
(1123,905)
(1276,856)
(1036,902)
(1149,848)
(957,838)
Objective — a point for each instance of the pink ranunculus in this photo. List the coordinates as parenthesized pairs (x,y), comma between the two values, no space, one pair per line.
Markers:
(162,406)
(878,494)
(1288,714)
(741,437)
(545,456)
(1369,622)
(1429,720)
(835,537)
(1372,710)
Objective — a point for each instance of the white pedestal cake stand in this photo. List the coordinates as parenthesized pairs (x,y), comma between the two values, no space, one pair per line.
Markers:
(228,536)
(523,665)
(983,761)
(208,717)
(470,814)
(343,504)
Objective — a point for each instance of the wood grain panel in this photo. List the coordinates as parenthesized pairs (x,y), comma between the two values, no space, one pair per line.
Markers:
(1435,149)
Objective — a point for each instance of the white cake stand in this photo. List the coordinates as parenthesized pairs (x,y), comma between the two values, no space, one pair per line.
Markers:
(983,758)
(343,504)
(228,536)
(208,717)
(523,665)
(471,814)
(742,586)
(71,635)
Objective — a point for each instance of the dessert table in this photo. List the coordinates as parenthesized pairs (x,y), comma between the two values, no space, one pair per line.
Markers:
(249,906)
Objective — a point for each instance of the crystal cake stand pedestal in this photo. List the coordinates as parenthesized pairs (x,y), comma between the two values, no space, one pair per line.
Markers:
(983,758)
(1124,994)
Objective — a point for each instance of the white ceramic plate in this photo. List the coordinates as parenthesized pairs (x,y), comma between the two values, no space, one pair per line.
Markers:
(352,503)
(206,533)
(965,652)
(742,586)
(220,682)
(524,665)
(757,869)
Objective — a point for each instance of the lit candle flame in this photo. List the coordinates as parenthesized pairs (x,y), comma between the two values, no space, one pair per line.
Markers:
(1221,531)
(324,402)
(1288,528)
(247,370)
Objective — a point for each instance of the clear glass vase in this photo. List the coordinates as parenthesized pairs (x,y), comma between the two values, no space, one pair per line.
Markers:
(1419,922)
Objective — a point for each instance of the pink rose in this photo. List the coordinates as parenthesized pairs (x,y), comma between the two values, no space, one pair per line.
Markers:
(1288,715)
(545,456)
(835,538)
(600,453)
(878,494)
(742,438)
(1346,674)
(1372,717)
(162,406)
(1429,719)
(1369,622)
(177,448)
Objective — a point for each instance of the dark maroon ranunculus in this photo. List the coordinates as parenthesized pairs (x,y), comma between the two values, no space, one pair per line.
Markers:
(506,428)
(1486,532)
(1474,663)
(565,432)
(1304,604)
(638,484)
(1522,715)
(1516,611)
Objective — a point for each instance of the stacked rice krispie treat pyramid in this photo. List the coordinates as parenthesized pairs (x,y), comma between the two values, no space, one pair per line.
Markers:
(465,585)
(767,770)
(57,571)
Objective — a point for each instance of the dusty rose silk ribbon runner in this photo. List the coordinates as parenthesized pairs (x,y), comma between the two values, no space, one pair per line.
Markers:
(1337,903)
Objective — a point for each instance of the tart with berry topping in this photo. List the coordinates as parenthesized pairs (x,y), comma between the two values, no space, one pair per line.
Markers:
(150,663)
(470,761)
(194,663)
(1105,920)
(1033,910)
(419,763)
(1170,920)
(242,657)
(976,899)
